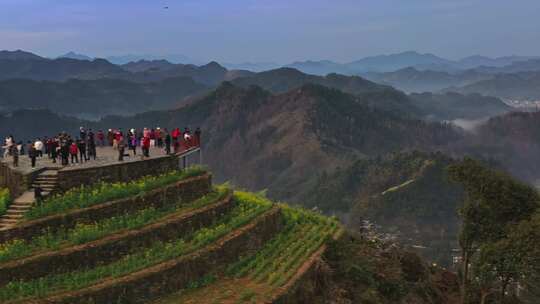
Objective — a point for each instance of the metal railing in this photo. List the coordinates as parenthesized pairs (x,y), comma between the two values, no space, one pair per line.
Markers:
(183,156)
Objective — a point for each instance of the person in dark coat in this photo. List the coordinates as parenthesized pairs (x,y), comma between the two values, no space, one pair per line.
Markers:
(21,150)
(110,137)
(64,152)
(54,149)
(81,145)
(15,154)
(168,141)
(83,134)
(32,154)
(91,139)
(121,149)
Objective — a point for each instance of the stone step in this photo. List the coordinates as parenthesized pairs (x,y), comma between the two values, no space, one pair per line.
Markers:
(13,215)
(8,225)
(40,183)
(50,183)
(9,214)
(22,203)
(44,187)
(46,180)
(21,207)
(8,220)
(50,172)
(15,211)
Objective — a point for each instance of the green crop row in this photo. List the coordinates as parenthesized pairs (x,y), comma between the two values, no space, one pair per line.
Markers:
(86,196)
(246,209)
(5,199)
(304,233)
(84,233)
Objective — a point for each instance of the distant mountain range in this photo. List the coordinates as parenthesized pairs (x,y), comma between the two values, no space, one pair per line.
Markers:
(173,58)
(94,99)
(523,84)
(394,62)
(414,80)
(105,88)
(379,64)
(252,66)
(62,69)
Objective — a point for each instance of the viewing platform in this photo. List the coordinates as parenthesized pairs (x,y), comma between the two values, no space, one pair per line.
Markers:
(50,177)
(105,156)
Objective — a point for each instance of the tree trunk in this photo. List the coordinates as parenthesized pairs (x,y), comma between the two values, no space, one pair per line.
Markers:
(465,276)
(504,285)
(483,297)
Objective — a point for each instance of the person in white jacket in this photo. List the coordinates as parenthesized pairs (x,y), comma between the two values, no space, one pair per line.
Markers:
(8,143)
(39,147)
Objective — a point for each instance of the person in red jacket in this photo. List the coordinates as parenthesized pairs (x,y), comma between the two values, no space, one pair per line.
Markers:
(176,137)
(74,151)
(146,146)
(101,138)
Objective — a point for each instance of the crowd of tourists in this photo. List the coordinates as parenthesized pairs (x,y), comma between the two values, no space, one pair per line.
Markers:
(66,149)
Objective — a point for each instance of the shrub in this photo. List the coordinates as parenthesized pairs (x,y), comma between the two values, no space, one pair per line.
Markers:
(5,199)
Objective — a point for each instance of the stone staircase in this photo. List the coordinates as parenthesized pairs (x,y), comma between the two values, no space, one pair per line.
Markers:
(47,181)
(17,209)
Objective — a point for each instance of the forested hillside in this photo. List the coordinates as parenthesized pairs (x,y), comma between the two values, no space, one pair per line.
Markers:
(451,106)
(407,194)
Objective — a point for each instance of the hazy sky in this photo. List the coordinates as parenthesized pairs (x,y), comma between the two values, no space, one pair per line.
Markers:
(271,30)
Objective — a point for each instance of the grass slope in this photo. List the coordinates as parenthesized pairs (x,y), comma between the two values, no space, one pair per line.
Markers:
(5,200)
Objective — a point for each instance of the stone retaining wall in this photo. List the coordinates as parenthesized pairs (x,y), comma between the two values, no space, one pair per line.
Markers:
(16,181)
(114,246)
(185,190)
(174,275)
(71,177)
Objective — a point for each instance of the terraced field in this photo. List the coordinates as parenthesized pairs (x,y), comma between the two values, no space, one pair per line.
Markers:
(85,196)
(169,238)
(263,277)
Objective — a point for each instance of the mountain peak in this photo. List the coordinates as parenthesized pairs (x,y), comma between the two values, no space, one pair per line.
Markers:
(19,55)
(73,55)
(214,65)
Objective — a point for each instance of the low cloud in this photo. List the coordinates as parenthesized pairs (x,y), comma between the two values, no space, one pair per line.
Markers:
(469,125)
